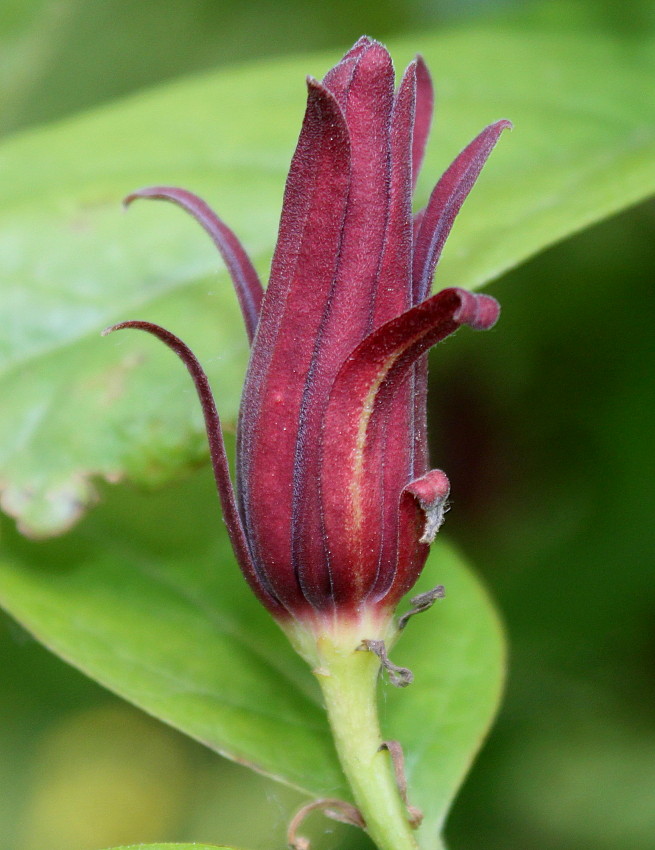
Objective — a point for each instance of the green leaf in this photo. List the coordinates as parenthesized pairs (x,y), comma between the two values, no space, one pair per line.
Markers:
(60,56)
(78,407)
(457,655)
(28,31)
(173,847)
(144,597)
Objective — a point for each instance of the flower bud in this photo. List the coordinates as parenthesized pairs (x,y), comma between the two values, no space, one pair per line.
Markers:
(336,504)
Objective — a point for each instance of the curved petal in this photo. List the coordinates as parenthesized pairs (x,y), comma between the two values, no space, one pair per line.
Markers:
(423,119)
(446,201)
(422,506)
(218,457)
(393,290)
(430,492)
(246,280)
(302,278)
(361,438)
(358,301)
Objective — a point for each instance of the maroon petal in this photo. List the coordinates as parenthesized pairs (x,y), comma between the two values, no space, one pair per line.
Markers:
(246,281)
(445,202)
(338,79)
(423,503)
(423,120)
(335,506)
(290,330)
(218,457)
(369,105)
(360,504)
(430,492)
(393,292)
(392,300)
(353,306)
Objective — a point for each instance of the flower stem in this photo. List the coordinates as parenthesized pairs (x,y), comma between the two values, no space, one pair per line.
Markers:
(348,679)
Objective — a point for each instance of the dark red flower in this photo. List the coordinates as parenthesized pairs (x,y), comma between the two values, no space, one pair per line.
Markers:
(336,505)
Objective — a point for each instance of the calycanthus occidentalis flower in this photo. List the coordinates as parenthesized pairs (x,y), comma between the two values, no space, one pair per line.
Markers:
(335,505)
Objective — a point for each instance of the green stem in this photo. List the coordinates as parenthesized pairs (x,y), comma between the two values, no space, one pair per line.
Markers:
(348,679)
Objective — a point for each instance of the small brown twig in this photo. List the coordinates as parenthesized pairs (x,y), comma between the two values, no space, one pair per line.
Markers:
(398,760)
(333,808)
(398,676)
(421,603)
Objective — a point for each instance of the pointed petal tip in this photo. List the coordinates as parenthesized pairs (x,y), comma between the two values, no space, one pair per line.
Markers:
(423,114)
(422,69)
(480,312)
(135,324)
(418,67)
(411,70)
(366,41)
(145,192)
(316,88)
(156,192)
(112,328)
(321,97)
(430,488)
(431,491)
(363,44)
(503,124)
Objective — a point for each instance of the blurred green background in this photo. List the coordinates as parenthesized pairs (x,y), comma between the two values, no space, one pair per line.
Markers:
(556,409)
